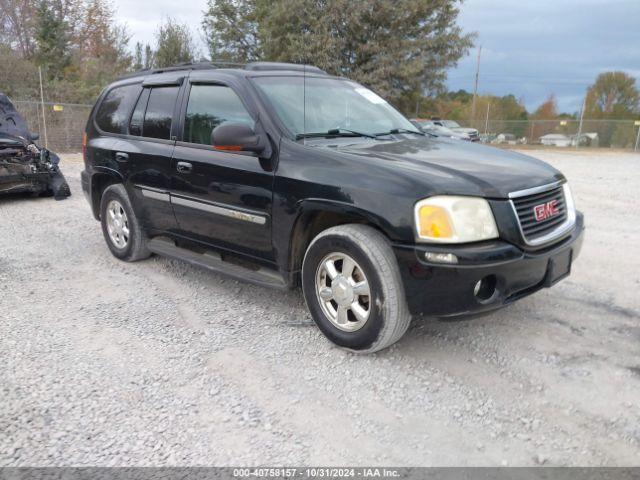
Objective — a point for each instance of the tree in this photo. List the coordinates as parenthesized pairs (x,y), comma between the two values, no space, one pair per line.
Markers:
(613,95)
(548,110)
(101,50)
(77,42)
(143,57)
(138,57)
(149,57)
(17,24)
(100,36)
(175,44)
(399,48)
(18,76)
(231,28)
(52,40)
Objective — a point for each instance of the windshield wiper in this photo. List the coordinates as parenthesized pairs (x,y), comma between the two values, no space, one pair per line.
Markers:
(336,132)
(394,131)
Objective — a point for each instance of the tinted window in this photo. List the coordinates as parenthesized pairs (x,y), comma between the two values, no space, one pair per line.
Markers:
(137,117)
(157,119)
(209,106)
(113,114)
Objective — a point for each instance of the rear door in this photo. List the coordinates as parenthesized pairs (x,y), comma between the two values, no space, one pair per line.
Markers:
(221,198)
(153,128)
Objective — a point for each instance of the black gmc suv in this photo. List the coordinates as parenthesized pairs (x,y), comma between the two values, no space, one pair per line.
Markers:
(282,175)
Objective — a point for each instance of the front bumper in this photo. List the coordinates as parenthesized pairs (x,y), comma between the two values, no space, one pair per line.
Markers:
(444,290)
(39,182)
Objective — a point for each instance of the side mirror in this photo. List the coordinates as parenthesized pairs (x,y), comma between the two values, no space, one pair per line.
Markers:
(237,137)
(35,136)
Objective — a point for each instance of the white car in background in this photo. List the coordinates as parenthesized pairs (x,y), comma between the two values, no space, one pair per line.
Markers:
(429,126)
(471,133)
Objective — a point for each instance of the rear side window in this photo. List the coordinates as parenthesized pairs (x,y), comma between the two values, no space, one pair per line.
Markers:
(210,106)
(159,113)
(113,113)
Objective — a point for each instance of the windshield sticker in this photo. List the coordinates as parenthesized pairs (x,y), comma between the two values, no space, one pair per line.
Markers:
(371,96)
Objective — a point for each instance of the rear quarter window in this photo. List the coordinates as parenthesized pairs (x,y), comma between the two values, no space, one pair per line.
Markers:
(113,114)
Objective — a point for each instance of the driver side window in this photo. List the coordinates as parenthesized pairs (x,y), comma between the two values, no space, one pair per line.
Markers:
(210,106)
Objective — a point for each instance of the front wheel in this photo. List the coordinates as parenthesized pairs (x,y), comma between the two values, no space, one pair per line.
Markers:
(352,286)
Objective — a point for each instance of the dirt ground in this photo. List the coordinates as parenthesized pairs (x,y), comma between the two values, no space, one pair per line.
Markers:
(160,363)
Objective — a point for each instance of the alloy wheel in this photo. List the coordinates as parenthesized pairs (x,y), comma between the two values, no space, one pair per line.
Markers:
(117,224)
(343,292)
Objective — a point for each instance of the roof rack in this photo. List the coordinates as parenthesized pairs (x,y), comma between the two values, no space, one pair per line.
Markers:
(204,65)
(266,66)
(207,65)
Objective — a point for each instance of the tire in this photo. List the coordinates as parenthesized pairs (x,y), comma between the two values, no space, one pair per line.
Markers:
(388,316)
(132,245)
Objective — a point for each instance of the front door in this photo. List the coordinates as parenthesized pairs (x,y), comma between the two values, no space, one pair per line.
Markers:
(221,198)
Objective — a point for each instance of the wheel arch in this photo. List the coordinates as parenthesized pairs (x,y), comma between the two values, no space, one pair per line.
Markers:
(315,216)
(100,180)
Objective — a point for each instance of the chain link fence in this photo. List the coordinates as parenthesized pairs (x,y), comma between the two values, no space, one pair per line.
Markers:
(561,133)
(65,123)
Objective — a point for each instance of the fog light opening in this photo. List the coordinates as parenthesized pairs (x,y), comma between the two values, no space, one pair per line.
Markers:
(485,289)
(440,257)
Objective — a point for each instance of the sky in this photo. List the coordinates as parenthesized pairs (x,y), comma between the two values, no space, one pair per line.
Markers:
(530,48)
(533,48)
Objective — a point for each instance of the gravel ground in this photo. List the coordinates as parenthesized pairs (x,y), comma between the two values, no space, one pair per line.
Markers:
(159,363)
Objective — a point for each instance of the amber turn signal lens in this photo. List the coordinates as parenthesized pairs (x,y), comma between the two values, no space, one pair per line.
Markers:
(435,222)
(84,145)
(228,148)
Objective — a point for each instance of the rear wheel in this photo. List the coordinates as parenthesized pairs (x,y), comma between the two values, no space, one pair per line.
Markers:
(352,286)
(120,226)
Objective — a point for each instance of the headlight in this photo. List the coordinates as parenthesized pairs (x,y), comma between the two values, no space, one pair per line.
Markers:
(449,219)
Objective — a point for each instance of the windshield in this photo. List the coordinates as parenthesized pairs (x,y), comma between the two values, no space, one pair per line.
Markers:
(450,124)
(330,105)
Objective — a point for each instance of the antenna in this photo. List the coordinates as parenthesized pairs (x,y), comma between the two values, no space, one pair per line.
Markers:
(304,104)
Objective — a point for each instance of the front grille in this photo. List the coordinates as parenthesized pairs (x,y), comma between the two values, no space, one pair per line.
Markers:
(532,227)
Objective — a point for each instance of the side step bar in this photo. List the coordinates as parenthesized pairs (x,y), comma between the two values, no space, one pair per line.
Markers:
(213,262)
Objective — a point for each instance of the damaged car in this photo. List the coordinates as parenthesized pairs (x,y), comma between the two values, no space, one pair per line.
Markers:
(24,166)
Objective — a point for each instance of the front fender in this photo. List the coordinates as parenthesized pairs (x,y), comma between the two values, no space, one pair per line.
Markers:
(310,217)
(315,205)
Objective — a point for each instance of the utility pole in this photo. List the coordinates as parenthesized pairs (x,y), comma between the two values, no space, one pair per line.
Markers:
(44,120)
(486,120)
(475,88)
(637,138)
(584,104)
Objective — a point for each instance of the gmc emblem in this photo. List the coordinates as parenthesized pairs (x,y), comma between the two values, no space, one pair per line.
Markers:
(546,210)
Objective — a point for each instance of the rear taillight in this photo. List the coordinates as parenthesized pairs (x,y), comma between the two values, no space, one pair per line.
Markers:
(84,146)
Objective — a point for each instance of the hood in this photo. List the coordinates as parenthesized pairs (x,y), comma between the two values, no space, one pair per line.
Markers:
(446,166)
(12,124)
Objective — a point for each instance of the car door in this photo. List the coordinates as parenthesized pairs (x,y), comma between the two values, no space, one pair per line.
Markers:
(152,129)
(221,198)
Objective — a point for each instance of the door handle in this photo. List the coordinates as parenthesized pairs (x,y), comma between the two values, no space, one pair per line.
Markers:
(184,167)
(122,157)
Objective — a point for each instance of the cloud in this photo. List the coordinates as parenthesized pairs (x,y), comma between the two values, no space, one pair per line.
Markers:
(533,49)
(530,48)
